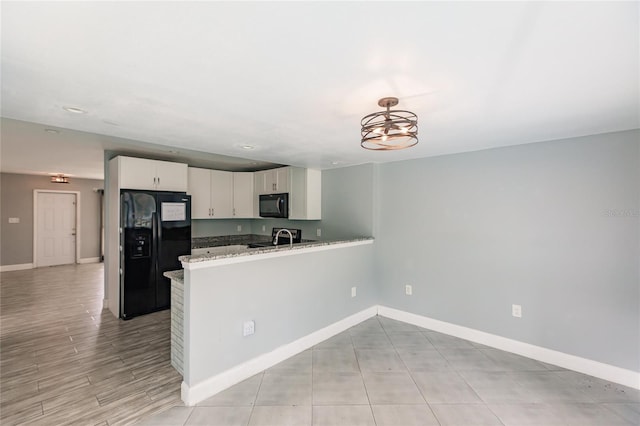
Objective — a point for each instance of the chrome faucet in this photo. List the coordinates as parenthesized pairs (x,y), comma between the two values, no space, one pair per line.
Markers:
(275,239)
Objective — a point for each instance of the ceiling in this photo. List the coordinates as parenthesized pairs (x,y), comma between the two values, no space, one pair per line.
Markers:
(293,79)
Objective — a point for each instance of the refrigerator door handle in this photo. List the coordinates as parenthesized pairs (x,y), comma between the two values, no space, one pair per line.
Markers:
(157,238)
(157,230)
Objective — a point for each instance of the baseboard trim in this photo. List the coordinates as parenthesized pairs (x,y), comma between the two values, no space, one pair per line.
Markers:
(582,365)
(24,266)
(18,267)
(191,395)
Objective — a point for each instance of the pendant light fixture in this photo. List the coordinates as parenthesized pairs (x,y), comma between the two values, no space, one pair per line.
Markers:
(390,129)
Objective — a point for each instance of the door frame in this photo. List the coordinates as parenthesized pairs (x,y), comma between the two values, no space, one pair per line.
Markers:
(36,192)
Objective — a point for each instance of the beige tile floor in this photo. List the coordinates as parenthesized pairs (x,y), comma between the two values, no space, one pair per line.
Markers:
(384,372)
(65,361)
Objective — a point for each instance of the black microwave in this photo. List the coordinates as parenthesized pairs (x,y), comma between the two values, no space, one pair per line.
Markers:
(274,205)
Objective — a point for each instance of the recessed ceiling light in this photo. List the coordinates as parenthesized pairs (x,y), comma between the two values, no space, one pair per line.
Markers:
(74,110)
(248,147)
(335,163)
(54,131)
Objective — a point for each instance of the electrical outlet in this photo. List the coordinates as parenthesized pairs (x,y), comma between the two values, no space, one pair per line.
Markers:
(239,228)
(516,311)
(318,232)
(248,328)
(14,220)
(408,290)
(353,292)
(264,228)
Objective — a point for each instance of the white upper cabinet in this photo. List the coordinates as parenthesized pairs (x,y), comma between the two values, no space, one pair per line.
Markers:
(200,191)
(272,181)
(211,193)
(303,185)
(244,198)
(153,175)
(221,194)
(305,194)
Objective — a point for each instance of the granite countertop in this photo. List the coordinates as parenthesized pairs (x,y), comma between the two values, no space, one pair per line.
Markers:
(254,251)
(175,275)
(228,240)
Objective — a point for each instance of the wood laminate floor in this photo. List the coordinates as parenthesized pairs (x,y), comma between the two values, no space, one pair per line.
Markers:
(65,360)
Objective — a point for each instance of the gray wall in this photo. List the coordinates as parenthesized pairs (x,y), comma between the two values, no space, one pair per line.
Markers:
(551,226)
(314,292)
(16,200)
(348,202)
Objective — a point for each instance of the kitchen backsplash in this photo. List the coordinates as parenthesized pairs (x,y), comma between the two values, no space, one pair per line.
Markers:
(223,227)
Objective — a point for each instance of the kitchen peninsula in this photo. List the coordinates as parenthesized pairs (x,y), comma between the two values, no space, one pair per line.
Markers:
(237,311)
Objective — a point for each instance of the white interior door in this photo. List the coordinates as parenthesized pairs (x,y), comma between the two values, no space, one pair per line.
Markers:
(56,229)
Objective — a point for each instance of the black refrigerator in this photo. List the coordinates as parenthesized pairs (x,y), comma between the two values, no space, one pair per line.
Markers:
(155,230)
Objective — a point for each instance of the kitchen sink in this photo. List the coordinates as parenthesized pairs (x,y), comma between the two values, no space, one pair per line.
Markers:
(261,245)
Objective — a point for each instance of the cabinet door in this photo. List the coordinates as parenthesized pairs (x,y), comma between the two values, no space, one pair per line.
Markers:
(200,191)
(221,194)
(270,182)
(260,183)
(243,195)
(137,173)
(171,176)
(281,179)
